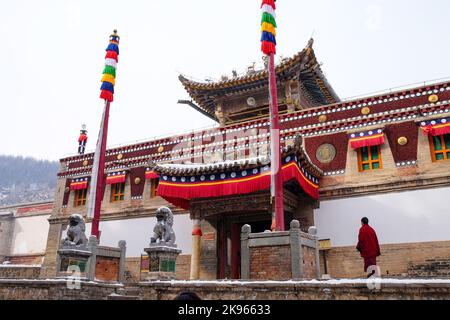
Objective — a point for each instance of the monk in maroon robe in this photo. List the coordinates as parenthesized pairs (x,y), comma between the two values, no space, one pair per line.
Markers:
(368,244)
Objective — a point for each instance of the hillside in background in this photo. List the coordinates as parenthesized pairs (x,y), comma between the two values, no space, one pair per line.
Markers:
(25,180)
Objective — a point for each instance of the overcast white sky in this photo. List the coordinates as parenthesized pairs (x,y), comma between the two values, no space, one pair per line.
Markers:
(52,55)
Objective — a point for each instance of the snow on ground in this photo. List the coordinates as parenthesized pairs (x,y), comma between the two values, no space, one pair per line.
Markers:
(321,282)
(6,265)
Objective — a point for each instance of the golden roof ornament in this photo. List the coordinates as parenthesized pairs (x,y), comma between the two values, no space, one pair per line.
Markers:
(365,111)
(433,98)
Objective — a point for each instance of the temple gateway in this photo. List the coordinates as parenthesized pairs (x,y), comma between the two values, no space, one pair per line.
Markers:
(384,157)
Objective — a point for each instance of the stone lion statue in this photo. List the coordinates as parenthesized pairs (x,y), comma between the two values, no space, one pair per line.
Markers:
(163,232)
(75,232)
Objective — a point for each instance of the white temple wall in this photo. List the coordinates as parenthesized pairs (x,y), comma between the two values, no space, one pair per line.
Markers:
(404,217)
(30,235)
(137,233)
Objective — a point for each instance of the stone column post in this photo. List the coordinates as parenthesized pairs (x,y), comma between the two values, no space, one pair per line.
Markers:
(50,263)
(92,262)
(296,250)
(245,252)
(6,233)
(313,231)
(123,251)
(196,250)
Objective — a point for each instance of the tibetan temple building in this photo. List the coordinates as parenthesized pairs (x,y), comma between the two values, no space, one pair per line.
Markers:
(385,157)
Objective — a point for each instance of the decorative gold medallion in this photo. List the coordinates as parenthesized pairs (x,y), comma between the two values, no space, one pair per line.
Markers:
(402,141)
(326,153)
(323,118)
(433,98)
(365,111)
(137,180)
(85,163)
(119,156)
(161,149)
(67,190)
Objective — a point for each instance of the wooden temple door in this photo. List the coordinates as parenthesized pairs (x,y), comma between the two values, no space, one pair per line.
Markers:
(236,250)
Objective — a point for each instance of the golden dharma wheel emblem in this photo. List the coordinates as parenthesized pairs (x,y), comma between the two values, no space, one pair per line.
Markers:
(402,141)
(161,149)
(137,180)
(85,163)
(323,118)
(365,110)
(119,156)
(433,98)
(326,153)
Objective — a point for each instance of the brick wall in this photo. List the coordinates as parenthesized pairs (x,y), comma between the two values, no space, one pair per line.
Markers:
(345,262)
(270,262)
(431,268)
(319,290)
(54,290)
(309,262)
(48,269)
(58,290)
(26,259)
(208,258)
(19,272)
(132,268)
(183,267)
(6,235)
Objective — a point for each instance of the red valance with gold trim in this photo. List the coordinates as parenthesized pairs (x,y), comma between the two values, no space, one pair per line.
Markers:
(116,177)
(150,174)
(366,139)
(180,190)
(436,127)
(79,184)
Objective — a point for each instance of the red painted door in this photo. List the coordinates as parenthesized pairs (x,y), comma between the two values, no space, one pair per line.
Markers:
(236,251)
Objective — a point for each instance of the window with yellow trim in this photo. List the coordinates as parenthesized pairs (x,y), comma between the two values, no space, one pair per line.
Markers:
(440,147)
(154,187)
(117,192)
(369,158)
(80,197)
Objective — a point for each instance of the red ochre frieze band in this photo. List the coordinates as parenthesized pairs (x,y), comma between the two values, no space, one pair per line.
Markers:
(302,122)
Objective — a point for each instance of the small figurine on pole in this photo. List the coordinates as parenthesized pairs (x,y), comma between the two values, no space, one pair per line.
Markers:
(82,140)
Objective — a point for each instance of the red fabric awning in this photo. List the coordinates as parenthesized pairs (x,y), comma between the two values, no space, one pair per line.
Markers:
(150,174)
(117,177)
(436,127)
(180,193)
(79,184)
(367,139)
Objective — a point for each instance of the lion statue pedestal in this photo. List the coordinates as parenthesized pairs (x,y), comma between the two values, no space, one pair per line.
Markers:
(83,259)
(163,252)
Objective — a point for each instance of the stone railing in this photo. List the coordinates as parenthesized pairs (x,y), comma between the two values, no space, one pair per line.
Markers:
(282,255)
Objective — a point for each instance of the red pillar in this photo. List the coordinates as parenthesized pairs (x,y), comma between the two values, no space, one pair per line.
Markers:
(275,150)
(101,178)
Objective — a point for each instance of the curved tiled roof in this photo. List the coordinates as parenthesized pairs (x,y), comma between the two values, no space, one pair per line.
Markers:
(208,168)
(303,65)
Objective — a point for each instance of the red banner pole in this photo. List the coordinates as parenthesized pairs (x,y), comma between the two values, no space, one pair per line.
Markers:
(275,151)
(100,187)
